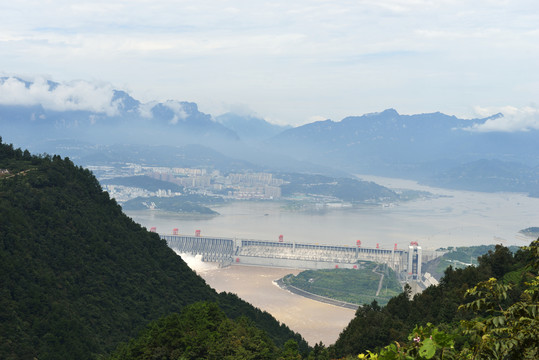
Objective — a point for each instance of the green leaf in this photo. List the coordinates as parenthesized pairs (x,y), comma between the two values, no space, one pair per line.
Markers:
(427,349)
(443,340)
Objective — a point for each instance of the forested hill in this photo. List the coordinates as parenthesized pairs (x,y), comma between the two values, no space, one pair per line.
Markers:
(78,276)
(488,311)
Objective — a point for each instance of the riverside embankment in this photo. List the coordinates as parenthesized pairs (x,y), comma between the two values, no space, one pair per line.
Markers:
(314,320)
(312,296)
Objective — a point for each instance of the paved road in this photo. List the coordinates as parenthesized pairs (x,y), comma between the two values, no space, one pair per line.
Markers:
(381,280)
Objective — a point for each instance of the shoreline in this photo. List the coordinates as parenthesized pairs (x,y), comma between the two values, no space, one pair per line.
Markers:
(280,283)
(315,321)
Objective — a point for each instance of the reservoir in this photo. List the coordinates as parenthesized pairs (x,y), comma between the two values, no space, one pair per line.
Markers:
(449,218)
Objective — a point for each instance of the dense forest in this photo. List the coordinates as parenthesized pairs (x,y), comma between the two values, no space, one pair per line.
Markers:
(187,204)
(200,331)
(78,277)
(465,306)
(458,258)
(80,280)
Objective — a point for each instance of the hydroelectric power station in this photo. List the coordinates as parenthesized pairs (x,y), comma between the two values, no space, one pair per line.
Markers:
(227,251)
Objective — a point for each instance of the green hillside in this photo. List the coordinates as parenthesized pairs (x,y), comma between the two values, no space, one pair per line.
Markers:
(78,276)
(357,286)
(458,258)
(143,182)
(404,318)
(187,204)
(201,331)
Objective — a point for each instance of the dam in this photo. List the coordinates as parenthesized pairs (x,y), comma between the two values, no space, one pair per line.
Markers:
(228,251)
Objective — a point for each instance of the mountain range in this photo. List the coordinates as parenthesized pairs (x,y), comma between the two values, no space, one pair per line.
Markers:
(433,148)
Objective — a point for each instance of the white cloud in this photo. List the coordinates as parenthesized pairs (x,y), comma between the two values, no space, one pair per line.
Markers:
(513,120)
(76,95)
(145,109)
(287,59)
(177,108)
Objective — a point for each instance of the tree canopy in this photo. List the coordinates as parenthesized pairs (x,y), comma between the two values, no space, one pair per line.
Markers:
(374,327)
(77,275)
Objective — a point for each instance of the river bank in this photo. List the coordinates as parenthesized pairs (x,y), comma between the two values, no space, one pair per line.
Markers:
(312,296)
(314,320)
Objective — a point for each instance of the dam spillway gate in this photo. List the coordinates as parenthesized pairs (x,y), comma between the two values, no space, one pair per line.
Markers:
(226,251)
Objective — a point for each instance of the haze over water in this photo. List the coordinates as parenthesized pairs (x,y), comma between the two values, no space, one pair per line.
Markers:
(454,218)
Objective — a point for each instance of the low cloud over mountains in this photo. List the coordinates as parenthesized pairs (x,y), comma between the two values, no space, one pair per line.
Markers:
(512,120)
(72,96)
(421,146)
(98,113)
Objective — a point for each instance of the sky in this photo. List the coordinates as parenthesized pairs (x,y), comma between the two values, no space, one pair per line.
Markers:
(290,62)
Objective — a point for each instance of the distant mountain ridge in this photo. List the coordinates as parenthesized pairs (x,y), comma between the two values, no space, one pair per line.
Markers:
(249,127)
(432,148)
(490,176)
(384,136)
(426,147)
(103,116)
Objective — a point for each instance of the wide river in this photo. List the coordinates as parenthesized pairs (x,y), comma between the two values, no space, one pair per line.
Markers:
(452,218)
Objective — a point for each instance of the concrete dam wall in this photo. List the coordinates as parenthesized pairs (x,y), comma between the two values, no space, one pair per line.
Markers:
(226,251)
